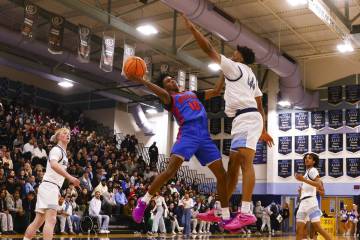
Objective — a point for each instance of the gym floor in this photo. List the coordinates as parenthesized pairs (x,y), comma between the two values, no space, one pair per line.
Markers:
(168,236)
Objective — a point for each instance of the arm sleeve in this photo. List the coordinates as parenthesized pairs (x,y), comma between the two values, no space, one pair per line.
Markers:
(200,95)
(230,68)
(55,154)
(169,106)
(313,173)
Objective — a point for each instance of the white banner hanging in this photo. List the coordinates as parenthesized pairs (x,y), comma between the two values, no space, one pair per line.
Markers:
(182,80)
(193,82)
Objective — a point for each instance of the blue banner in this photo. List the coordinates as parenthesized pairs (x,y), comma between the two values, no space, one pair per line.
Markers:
(284,121)
(261,153)
(301,120)
(352,93)
(335,167)
(335,118)
(353,142)
(353,167)
(318,143)
(301,144)
(299,166)
(335,94)
(318,120)
(285,145)
(215,126)
(217,143)
(335,142)
(321,167)
(226,147)
(228,124)
(352,117)
(284,168)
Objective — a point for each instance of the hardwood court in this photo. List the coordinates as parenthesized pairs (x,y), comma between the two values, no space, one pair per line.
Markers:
(167,236)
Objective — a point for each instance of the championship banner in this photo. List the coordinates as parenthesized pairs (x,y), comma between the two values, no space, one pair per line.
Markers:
(31,16)
(261,153)
(335,95)
(164,68)
(181,80)
(335,167)
(149,67)
(284,121)
(299,166)
(129,51)
(318,143)
(352,93)
(321,167)
(56,34)
(228,124)
(335,142)
(215,126)
(217,143)
(301,120)
(301,144)
(84,47)
(285,145)
(335,118)
(353,167)
(352,117)
(192,82)
(226,146)
(353,142)
(284,168)
(107,53)
(318,120)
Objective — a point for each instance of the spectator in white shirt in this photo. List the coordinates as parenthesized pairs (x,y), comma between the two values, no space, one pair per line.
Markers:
(29,147)
(39,155)
(102,187)
(64,213)
(173,189)
(94,211)
(188,204)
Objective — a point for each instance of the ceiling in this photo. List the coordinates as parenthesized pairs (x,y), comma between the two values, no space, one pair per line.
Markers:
(294,30)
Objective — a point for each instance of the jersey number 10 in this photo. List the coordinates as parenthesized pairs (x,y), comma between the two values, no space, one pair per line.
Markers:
(194,105)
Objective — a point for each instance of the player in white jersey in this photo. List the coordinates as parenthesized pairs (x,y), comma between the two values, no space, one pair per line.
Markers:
(49,190)
(309,207)
(243,100)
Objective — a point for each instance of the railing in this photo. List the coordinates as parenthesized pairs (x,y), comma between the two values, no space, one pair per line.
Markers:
(190,176)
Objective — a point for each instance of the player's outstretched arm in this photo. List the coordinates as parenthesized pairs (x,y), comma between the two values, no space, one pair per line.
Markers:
(264,135)
(58,169)
(202,41)
(160,92)
(216,91)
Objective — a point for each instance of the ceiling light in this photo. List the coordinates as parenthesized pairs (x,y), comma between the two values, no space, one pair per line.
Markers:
(151,111)
(147,29)
(214,67)
(65,84)
(283,103)
(297,2)
(345,47)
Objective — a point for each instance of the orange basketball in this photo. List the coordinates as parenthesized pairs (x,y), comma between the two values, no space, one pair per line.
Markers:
(134,67)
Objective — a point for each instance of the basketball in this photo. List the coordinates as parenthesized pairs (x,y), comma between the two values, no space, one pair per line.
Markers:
(134,67)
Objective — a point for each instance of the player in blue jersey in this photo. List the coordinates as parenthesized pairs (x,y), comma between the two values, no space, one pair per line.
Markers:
(193,137)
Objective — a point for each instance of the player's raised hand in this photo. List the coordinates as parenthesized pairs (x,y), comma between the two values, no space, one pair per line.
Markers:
(74,181)
(267,138)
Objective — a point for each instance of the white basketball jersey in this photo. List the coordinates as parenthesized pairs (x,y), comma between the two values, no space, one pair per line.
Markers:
(241,86)
(306,189)
(50,175)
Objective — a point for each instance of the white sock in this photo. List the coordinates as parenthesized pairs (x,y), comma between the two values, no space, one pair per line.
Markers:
(225,213)
(147,198)
(25,238)
(246,207)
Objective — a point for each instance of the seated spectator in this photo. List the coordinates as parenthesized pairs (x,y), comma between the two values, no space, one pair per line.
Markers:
(94,211)
(120,199)
(83,199)
(5,216)
(15,206)
(85,181)
(29,185)
(39,155)
(29,204)
(109,203)
(102,187)
(7,160)
(28,148)
(148,174)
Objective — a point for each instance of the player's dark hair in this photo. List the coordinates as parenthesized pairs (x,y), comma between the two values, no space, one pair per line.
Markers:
(247,54)
(160,80)
(314,156)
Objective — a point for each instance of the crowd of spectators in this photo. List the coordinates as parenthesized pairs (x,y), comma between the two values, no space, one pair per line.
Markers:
(112,175)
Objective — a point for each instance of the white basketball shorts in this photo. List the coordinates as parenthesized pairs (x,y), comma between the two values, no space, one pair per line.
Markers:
(246,130)
(47,197)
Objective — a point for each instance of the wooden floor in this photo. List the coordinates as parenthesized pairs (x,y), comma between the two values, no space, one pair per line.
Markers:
(168,236)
